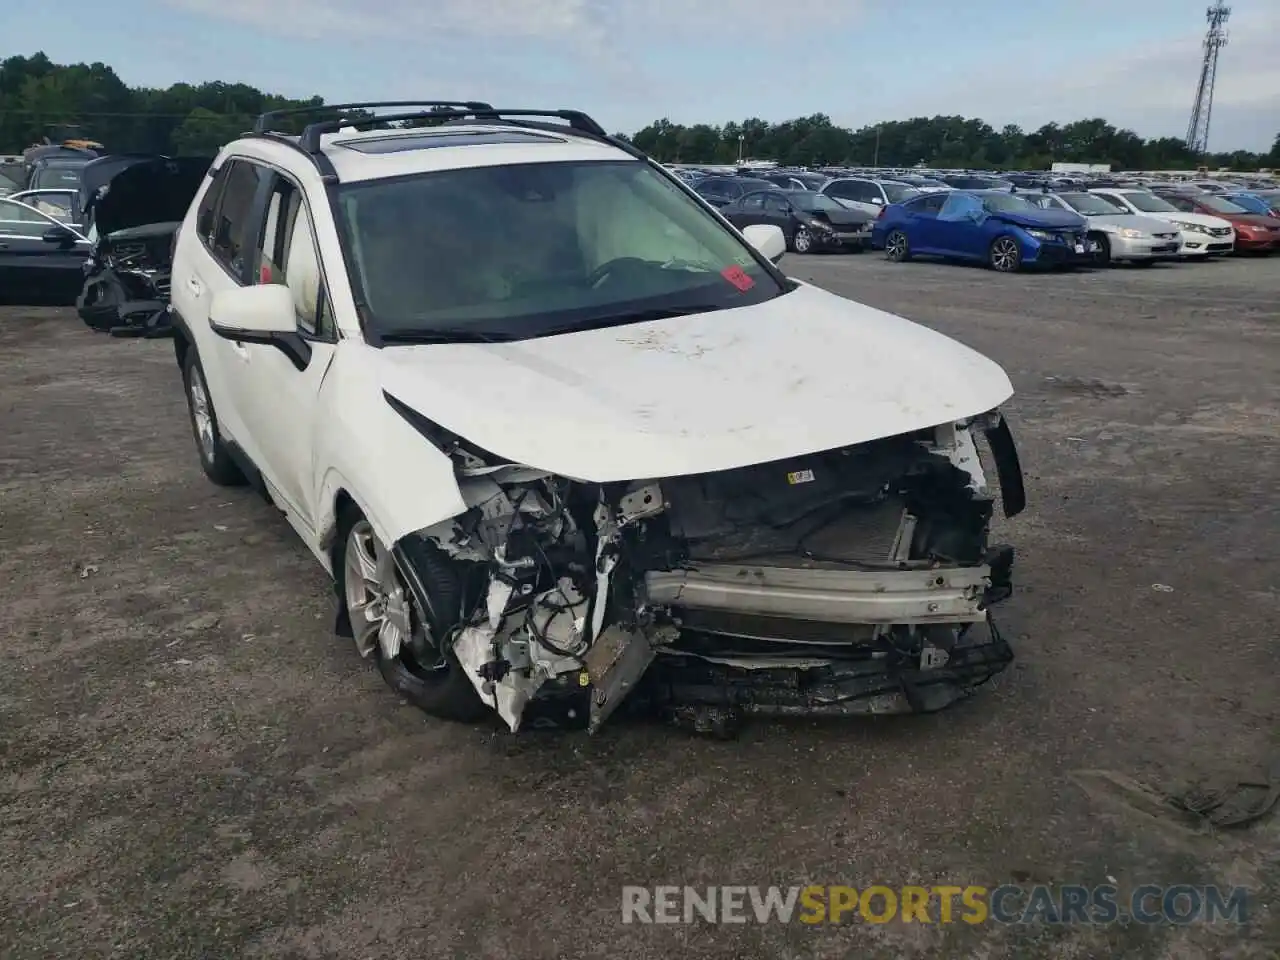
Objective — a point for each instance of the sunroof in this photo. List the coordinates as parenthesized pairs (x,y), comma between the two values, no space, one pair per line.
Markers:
(446,138)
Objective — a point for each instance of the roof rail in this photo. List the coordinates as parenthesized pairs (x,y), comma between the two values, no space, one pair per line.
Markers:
(263,123)
(576,119)
(319,160)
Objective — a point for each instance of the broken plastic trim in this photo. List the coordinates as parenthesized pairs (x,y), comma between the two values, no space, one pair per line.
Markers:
(1013,491)
(443,439)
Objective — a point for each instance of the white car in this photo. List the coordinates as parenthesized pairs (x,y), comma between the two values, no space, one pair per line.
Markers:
(1201,234)
(868,195)
(564,437)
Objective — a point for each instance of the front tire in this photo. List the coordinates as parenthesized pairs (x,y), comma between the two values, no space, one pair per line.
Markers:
(388,623)
(1102,257)
(802,240)
(1005,255)
(215,459)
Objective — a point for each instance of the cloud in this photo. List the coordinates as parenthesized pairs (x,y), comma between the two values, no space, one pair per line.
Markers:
(1148,88)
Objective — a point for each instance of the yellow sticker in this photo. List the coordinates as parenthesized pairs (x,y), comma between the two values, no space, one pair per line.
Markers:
(800,476)
(584,679)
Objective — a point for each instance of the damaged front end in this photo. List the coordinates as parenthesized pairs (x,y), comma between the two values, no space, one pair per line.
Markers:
(853,581)
(134,205)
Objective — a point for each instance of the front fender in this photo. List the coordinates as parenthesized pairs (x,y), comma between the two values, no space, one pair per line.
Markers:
(398,479)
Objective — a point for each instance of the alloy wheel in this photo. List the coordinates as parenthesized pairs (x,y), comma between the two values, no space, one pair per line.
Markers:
(202,414)
(378,605)
(803,240)
(895,247)
(1005,254)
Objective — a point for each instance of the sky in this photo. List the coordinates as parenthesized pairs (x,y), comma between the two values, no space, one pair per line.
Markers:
(629,62)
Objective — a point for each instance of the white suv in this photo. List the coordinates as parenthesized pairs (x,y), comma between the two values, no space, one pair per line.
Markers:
(564,437)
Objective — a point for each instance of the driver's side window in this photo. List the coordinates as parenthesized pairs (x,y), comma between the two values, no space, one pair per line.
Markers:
(754,201)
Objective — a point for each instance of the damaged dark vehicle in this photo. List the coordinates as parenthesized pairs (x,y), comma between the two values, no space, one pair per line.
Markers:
(133,206)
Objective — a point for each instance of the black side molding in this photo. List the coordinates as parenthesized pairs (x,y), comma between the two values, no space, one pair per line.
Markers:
(292,345)
(1013,492)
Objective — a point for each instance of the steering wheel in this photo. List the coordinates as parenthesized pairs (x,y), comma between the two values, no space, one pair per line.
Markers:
(606,269)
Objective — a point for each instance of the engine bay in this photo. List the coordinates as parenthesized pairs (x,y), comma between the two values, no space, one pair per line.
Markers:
(856,580)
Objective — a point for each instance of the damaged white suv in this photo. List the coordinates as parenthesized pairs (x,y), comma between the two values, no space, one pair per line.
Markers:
(565,438)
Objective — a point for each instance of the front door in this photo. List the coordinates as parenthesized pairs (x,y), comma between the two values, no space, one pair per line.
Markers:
(39,257)
(277,390)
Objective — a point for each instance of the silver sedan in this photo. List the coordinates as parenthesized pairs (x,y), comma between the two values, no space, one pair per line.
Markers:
(1120,235)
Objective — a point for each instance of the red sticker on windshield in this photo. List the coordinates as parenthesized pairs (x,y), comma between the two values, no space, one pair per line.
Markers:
(264,275)
(738,277)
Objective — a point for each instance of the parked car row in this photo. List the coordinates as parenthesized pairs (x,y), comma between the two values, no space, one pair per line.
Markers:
(1010,222)
(1010,231)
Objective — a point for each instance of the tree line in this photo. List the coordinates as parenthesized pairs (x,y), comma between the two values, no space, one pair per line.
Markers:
(41,99)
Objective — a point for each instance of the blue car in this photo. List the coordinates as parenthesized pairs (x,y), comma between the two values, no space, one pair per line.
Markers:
(1000,229)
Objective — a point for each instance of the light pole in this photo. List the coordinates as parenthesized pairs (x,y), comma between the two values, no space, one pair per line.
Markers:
(742,143)
(875,160)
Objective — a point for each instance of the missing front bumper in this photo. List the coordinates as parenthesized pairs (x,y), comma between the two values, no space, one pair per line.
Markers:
(939,596)
(689,686)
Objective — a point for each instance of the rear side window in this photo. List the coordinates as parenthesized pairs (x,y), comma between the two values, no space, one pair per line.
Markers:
(234,237)
(207,215)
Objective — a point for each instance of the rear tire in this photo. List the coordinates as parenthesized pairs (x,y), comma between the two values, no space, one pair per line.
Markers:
(440,688)
(896,247)
(215,460)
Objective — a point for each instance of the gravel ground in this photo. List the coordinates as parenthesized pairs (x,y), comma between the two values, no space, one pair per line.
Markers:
(191,765)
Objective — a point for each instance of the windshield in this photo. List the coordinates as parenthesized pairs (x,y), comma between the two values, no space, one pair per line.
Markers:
(1091,205)
(1006,203)
(1219,205)
(899,192)
(510,252)
(815,201)
(1149,202)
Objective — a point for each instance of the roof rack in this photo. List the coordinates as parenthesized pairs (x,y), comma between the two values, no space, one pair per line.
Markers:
(446,112)
(576,119)
(263,123)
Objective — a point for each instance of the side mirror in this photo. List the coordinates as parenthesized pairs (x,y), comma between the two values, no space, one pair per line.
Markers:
(878,201)
(769,240)
(254,314)
(59,235)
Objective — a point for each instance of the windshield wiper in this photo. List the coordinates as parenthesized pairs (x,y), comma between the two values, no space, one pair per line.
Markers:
(441,335)
(635,316)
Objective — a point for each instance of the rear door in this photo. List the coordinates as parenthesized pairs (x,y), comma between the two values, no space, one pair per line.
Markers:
(221,260)
(921,222)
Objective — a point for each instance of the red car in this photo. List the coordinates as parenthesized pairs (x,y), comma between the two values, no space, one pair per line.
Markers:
(1254,231)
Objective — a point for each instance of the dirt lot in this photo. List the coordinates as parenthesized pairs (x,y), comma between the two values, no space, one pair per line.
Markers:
(191,765)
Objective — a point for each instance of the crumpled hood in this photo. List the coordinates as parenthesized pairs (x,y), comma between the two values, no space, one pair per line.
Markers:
(139,189)
(803,372)
(1042,219)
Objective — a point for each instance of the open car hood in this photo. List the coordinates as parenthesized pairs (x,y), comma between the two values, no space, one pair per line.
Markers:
(804,372)
(131,190)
